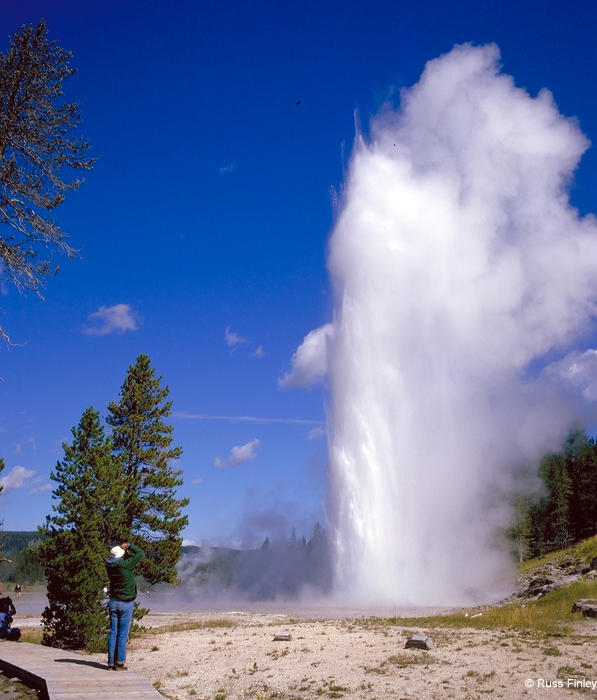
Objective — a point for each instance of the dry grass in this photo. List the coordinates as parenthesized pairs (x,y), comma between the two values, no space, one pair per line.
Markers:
(550,614)
(191,625)
(32,635)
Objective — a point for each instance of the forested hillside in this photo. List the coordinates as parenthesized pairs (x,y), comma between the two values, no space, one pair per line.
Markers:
(21,547)
(566,512)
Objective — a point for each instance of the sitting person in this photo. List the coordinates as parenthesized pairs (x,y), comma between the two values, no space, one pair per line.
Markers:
(7,610)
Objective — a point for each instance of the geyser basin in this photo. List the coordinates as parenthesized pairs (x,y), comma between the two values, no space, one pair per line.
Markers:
(456,261)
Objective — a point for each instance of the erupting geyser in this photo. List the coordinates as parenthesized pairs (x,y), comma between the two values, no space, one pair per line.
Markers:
(459,269)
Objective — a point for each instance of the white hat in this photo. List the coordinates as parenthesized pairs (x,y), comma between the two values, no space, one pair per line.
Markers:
(117,552)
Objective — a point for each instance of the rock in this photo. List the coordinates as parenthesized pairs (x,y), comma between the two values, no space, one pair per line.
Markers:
(594,563)
(592,574)
(567,563)
(419,641)
(586,606)
(282,638)
(582,569)
(538,587)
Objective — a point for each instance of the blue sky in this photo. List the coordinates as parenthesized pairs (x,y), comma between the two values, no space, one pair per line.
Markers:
(203,226)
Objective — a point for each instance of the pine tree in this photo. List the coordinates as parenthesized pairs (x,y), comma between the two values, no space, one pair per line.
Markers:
(549,519)
(581,461)
(85,520)
(152,515)
(557,479)
(520,530)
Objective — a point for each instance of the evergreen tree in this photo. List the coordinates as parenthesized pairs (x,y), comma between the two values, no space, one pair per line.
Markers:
(520,531)
(567,512)
(152,515)
(581,462)
(85,520)
(553,512)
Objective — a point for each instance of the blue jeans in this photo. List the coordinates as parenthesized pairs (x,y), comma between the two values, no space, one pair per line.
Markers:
(121,615)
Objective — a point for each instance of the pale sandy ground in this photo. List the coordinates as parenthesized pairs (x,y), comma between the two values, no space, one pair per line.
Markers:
(356,659)
(351,658)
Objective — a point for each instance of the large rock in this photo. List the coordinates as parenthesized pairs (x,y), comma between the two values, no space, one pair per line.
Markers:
(419,641)
(538,587)
(586,606)
(582,569)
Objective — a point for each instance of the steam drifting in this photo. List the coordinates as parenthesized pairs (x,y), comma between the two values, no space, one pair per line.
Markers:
(458,267)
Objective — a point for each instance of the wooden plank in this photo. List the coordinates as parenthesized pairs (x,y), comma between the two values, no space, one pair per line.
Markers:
(64,675)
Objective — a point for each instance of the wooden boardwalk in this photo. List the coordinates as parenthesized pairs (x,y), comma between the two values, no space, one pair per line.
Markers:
(64,675)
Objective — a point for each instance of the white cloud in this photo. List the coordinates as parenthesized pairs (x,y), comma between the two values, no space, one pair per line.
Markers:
(246,419)
(16,478)
(18,448)
(259,352)
(112,319)
(316,433)
(225,169)
(197,481)
(189,543)
(239,455)
(309,362)
(233,339)
(40,489)
(579,370)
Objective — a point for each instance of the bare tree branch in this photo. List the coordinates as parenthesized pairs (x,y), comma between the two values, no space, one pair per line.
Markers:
(38,151)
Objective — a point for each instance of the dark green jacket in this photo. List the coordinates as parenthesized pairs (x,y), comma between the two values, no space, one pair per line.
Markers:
(122,576)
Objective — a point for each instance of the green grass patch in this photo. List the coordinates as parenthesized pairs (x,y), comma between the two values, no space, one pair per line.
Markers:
(548,615)
(585,551)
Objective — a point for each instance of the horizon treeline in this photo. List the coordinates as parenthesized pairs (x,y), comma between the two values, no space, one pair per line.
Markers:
(284,567)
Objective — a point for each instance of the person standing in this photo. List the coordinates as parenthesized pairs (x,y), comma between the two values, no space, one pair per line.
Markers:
(123,591)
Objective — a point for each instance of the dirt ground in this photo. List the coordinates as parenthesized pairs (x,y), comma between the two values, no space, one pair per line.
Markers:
(235,656)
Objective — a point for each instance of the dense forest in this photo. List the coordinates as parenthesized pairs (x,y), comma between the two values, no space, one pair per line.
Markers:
(22,549)
(566,511)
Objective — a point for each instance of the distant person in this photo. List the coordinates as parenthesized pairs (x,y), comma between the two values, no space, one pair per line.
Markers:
(18,589)
(123,591)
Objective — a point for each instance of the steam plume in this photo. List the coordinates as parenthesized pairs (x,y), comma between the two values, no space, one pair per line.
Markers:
(458,266)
